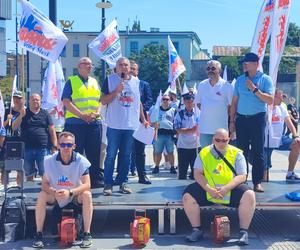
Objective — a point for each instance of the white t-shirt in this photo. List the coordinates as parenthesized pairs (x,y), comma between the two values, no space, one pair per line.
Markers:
(214,102)
(279,113)
(124,111)
(65,176)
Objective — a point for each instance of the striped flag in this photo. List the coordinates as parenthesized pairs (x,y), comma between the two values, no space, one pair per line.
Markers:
(176,67)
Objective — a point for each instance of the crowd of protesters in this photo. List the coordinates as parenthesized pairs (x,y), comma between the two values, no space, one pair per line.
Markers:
(101,122)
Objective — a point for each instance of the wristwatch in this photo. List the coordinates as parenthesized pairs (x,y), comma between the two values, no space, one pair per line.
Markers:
(70,193)
(255,90)
(295,136)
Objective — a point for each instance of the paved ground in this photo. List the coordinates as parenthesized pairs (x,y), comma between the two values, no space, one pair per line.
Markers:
(270,229)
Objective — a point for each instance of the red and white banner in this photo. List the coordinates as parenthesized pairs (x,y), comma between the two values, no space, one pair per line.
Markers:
(2,110)
(263,29)
(279,35)
(107,45)
(176,67)
(39,35)
(52,88)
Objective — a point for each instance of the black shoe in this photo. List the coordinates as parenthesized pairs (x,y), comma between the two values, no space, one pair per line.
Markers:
(173,170)
(243,238)
(86,240)
(38,240)
(97,184)
(155,170)
(144,180)
(133,173)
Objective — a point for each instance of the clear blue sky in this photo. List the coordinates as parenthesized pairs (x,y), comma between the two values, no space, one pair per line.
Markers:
(217,22)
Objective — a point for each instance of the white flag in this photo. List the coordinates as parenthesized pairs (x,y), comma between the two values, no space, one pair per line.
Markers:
(279,35)
(263,29)
(107,45)
(53,84)
(225,73)
(154,116)
(176,67)
(39,35)
(185,89)
(13,90)
(2,110)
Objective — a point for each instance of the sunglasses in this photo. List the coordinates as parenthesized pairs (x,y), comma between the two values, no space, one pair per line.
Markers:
(166,99)
(221,140)
(211,68)
(66,145)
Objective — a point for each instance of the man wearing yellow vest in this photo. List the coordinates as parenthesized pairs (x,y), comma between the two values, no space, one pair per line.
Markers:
(81,98)
(217,183)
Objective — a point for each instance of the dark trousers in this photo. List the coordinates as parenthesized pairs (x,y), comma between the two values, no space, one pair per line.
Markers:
(138,158)
(186,158)
(88,140)
(250,131)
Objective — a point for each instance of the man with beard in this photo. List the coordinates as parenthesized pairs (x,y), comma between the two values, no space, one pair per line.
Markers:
(213,98)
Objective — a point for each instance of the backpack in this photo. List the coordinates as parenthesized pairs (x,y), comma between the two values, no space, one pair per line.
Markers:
(13,217)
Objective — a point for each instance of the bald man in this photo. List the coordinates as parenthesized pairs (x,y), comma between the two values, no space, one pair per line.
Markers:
(217,183)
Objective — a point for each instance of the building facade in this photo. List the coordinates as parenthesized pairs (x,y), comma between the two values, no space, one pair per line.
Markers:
(5,14)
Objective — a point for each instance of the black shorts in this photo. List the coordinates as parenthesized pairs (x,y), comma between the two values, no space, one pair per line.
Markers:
(199,194)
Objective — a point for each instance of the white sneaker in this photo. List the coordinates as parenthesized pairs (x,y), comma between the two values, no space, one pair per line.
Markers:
(167,165)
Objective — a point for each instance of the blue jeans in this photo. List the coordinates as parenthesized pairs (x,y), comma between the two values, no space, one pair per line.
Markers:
(118,140)
(162,142)
(250,130)
(34,157)
(286,142)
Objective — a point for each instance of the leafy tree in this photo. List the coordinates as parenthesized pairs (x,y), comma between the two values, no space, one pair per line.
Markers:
(136,27)
(153,66)
(293,37)
(233,66)
(6,87)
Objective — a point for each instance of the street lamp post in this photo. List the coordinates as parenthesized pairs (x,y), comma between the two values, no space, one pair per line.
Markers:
(17,48)
(103,5)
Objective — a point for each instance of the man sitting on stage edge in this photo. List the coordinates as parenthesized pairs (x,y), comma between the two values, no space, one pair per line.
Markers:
(66,180)
(277,140)
(217,183)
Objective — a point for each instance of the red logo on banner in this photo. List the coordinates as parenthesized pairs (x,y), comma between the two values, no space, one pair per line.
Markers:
(283,3)
(280,37)
(269,6)
(263,35)
(107,42)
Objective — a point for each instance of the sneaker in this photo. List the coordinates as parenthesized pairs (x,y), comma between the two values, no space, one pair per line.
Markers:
(167,165)
(38,240)
(107,191)
(86,240)
(173,170)
(243,238)
(155,170)
(293,177)
(195,236)
(124,189)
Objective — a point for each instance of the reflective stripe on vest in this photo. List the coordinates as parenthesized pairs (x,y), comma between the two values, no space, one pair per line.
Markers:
(85,98)
(216,171)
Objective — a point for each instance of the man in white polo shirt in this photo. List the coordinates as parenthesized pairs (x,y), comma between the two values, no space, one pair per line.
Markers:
(213,97)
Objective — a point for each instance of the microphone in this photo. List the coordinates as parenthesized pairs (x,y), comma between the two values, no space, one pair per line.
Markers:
(122,76)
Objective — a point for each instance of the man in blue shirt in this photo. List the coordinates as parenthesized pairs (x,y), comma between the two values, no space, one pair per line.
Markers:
(252,92)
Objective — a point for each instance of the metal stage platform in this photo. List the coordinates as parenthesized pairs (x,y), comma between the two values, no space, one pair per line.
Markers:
(164,195)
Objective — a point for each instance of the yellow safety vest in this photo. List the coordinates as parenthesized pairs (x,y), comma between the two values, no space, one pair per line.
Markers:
(85,98)
(216,171)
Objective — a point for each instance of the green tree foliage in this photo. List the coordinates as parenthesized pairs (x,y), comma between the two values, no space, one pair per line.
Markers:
(136,27)
(234,68)
(153,66)
(293,37)
(6,87)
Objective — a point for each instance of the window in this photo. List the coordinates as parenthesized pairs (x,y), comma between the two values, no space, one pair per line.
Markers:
(176,45)
(63,53)
(76,50)
(87,50)
(64,72)
(75,71)
(134,47)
